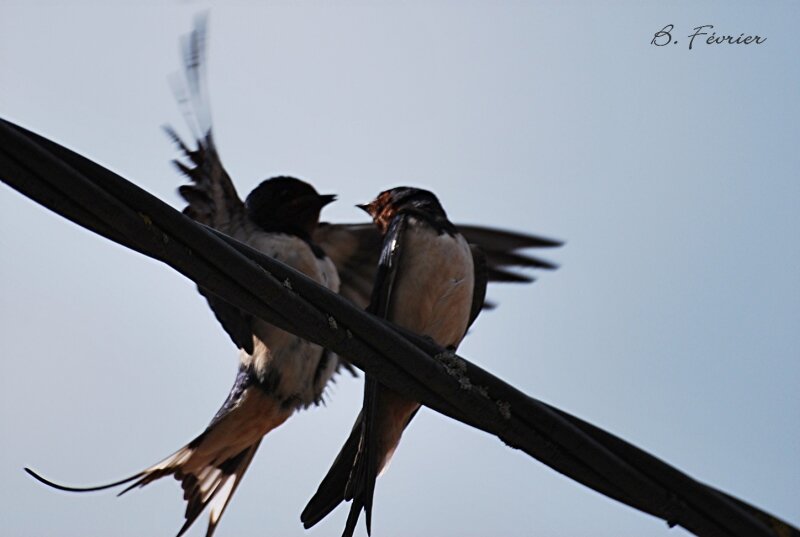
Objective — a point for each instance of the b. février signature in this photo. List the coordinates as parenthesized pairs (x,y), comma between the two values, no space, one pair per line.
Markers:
(704,34)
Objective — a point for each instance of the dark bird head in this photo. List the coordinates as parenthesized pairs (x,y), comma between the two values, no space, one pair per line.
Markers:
(390,203)
(286,205)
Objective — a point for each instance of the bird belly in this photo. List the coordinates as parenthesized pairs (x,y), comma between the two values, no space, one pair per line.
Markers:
(432,296)
(289,367)
(433,291)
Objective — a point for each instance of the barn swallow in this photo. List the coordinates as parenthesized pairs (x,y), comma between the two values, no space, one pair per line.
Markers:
(279,372)
(429,280)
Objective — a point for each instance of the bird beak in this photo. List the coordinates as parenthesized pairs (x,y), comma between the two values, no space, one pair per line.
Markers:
(364,207)
(325,199)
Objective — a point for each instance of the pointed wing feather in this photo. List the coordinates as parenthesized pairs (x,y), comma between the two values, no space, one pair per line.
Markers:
(501,249)
(211,196)
(355,250)
(502,240)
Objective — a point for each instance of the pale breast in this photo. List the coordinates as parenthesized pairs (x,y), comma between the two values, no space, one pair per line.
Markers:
(297,253)
(433,290)
(289,361)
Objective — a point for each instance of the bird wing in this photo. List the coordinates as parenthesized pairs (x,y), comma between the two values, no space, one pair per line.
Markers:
(353,473)
(501,248)
(481,275)
(361,487)
(356,248)
(211,197)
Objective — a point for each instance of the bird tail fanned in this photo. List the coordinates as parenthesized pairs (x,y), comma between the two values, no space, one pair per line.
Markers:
(203,482)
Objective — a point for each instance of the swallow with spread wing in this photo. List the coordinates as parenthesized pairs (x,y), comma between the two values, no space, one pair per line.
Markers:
(431,281)
(278,371)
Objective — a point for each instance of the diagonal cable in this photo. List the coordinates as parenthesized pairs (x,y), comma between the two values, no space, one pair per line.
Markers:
(104,202)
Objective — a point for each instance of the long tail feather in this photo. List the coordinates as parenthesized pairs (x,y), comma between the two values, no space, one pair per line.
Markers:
(331,491)
(204,484)
(57,486)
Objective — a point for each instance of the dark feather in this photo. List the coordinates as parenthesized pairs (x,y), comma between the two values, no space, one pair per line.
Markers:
(58,486)
(212,199)
(361,485)
(493,239)
(505,276)
(199,490)
(237,323)
(220,206)
(331,491)
(387,268)
(355,250)
(513,259)
(481,273)
(353,473)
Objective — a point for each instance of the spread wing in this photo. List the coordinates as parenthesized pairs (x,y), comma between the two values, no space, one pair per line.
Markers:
(355,250)
(211,197)
(501,248)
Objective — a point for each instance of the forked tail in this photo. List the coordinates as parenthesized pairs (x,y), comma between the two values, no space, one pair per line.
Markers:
(209,483)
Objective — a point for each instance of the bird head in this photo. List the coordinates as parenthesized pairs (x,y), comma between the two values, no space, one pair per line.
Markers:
(286,204)
(390,203)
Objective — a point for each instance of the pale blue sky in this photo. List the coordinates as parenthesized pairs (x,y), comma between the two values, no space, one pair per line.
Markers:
(672,174)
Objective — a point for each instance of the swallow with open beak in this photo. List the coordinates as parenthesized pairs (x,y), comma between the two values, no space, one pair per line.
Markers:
(279,372)
(429,280)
